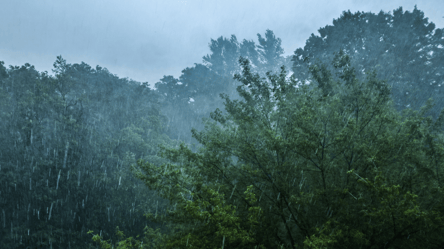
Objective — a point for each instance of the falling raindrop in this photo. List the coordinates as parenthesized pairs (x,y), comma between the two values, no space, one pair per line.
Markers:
(120,178)
(58,178)
(66,154)
(301,183)
(50,211)
(78,182)
(233,191)
(30,188)
(108,214)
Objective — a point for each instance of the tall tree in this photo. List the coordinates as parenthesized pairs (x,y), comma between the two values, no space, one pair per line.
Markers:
(225,54)
(271,51)
(406,49)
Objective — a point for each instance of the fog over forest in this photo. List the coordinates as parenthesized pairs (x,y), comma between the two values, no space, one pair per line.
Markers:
(337,143)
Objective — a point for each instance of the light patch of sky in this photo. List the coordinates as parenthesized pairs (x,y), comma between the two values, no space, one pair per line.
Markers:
(145,40)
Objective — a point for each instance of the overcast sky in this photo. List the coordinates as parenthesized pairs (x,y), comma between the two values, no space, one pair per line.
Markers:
(147,39)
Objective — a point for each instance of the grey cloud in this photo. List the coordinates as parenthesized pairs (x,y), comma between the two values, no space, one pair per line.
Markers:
(145,40)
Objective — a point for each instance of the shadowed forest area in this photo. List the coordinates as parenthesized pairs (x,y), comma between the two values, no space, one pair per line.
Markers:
(338,146)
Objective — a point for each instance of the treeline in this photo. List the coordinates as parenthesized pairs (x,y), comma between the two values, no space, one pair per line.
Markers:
(66,144)
(68,141)
(289,162)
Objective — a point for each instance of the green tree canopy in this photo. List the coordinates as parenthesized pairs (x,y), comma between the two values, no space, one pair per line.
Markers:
(293,166)
(404,47)
(66,143)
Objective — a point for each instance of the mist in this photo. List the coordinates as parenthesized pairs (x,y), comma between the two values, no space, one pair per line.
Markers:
(112,113)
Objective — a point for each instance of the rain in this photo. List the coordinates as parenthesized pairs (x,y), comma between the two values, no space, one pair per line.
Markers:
(232,124)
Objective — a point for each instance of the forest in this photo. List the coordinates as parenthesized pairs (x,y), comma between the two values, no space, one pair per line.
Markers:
(339,145)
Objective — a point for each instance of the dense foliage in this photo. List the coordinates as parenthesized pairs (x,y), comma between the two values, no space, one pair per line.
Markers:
(66,145)
(196,93)
(404,47)
(334,166)
(345,153)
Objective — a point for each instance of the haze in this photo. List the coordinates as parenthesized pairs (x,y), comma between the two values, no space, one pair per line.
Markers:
(145,40)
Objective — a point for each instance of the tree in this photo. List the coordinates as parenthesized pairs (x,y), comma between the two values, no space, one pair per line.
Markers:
(404,47)
(270,50)
(223,60)
(267,56)
(191,97)
(294,165)
(224,55)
